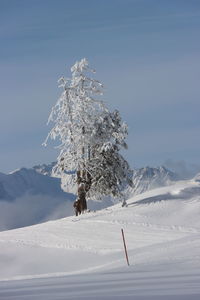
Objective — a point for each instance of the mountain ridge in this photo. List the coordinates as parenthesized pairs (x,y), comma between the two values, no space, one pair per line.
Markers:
(24,180)
(148,178)
(40,180)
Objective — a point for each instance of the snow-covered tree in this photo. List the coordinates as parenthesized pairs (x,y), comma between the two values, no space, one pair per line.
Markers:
(90,137)
(110,171)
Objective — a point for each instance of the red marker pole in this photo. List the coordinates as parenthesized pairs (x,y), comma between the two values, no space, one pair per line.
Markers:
(125,247)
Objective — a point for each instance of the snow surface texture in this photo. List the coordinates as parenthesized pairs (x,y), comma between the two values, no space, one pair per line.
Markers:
(83,257)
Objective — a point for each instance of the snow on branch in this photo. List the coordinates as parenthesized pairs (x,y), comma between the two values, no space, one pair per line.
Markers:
(90,136)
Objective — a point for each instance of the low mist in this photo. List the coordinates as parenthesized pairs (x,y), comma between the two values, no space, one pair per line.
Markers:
(32,209)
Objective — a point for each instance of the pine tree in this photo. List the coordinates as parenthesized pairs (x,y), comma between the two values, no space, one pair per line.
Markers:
(91,138)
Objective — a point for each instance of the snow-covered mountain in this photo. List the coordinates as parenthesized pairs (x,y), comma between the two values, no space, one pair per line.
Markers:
(148,178)
(45,169)
(29,181)
(144,179)
(83,257)
(27,197)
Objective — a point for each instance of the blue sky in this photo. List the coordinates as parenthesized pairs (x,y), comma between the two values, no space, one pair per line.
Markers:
(146,52)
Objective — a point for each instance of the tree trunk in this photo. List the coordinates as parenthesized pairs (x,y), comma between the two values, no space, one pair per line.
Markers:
(81,181)
(82,196)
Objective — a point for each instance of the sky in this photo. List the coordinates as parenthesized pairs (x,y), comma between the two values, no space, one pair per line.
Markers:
(145,52)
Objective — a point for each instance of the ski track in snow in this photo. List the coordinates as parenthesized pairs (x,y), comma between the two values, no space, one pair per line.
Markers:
(83,257)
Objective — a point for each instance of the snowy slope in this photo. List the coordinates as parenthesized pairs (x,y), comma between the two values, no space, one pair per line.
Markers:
(81,258)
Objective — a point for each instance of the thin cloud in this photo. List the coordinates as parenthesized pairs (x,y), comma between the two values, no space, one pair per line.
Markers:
(183,169)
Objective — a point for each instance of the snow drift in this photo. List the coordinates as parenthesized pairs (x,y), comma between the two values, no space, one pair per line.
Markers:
(83,257)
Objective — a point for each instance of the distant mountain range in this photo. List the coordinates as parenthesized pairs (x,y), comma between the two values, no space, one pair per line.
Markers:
(45,169)
(31,181)
(39,181)
(144,179)
(148,178)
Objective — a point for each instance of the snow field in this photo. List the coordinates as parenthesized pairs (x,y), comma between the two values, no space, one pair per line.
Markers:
(83,257)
